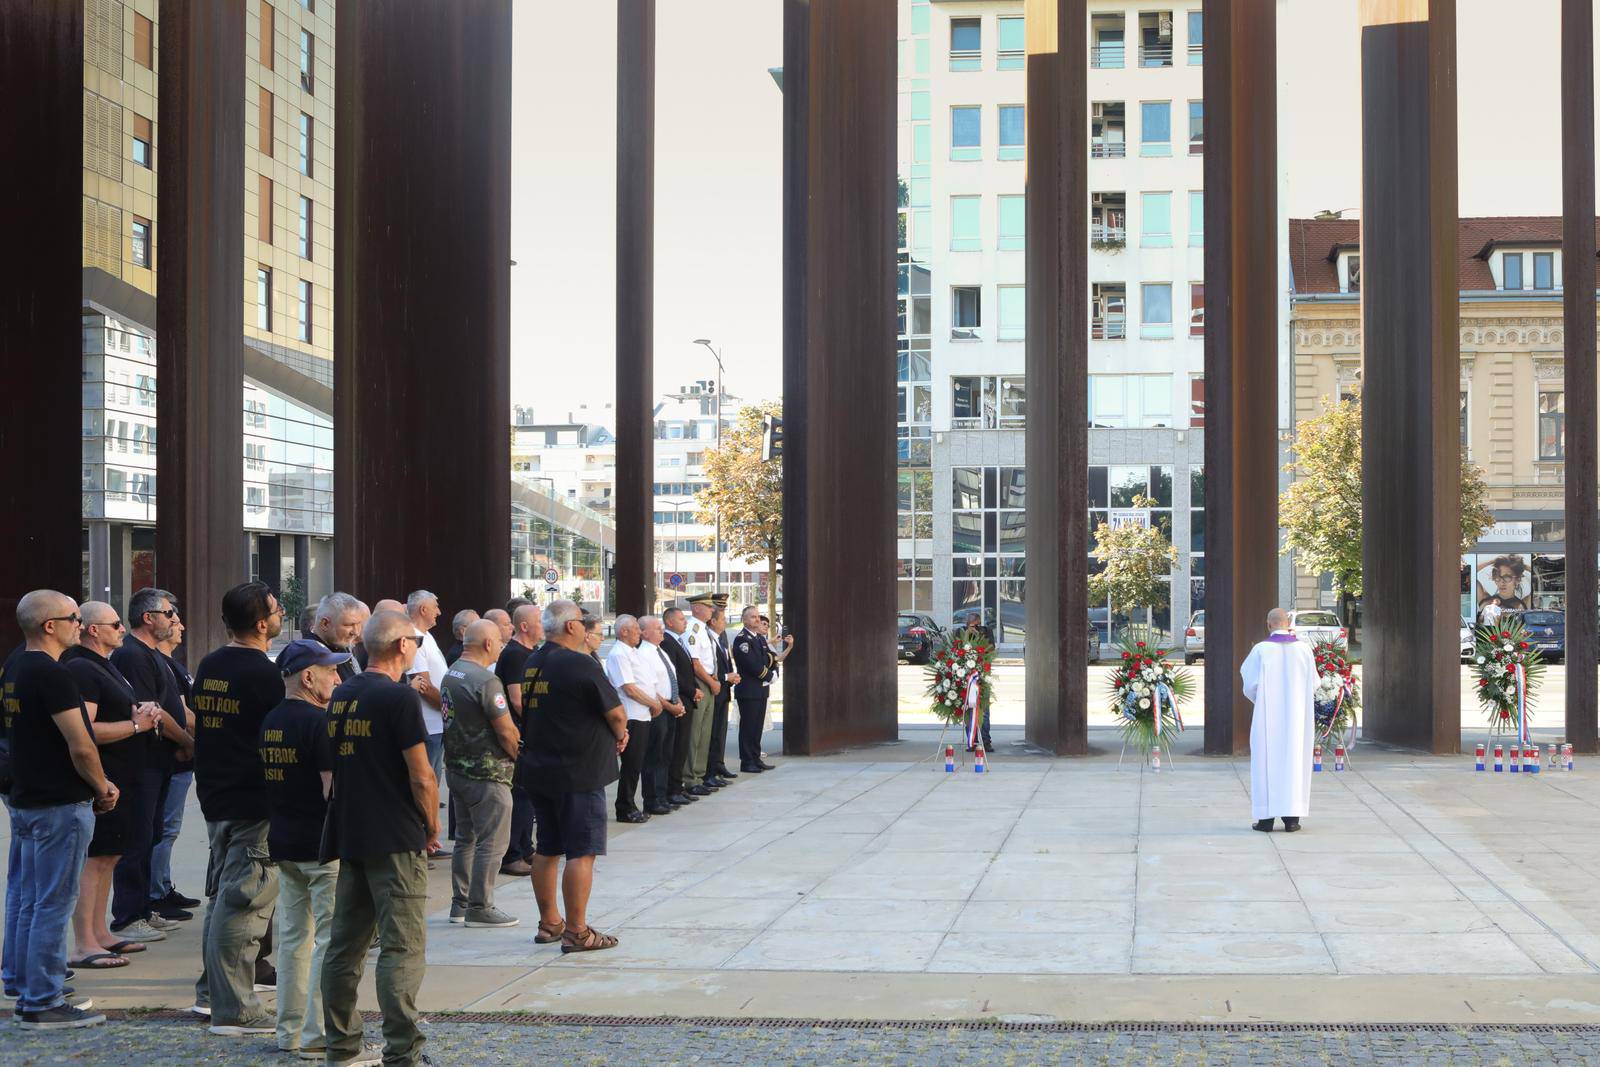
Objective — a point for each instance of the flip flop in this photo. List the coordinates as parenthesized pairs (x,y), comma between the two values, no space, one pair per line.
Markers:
(123,948)
(94,962)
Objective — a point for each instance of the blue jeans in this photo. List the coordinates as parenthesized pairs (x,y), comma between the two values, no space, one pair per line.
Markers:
(8,953)
(54,842)
(171,823)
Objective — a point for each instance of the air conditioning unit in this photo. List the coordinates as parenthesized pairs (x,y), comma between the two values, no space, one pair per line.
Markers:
(1164,27)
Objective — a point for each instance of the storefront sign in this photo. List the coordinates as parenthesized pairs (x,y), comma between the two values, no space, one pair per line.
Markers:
(1505,532)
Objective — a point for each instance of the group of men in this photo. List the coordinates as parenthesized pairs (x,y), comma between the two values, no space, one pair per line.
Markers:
(677,675)
(319,776)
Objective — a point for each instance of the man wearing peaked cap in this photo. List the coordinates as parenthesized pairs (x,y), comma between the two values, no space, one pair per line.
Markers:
(697,641)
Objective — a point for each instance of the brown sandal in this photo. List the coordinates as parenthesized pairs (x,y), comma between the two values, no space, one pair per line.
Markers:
(591,940)
(549,933)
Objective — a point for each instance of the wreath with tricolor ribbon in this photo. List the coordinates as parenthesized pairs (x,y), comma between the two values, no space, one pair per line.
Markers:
(1508,670)
(1147,696)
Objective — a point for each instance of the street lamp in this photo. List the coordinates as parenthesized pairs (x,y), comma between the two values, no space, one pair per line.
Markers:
(718,357)
(677,521)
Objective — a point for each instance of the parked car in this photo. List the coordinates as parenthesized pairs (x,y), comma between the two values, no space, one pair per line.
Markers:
(1107,627)
(920,636)
(1315,627)
(1094,641)
(1194,638)
(1547,631)
(1468,640)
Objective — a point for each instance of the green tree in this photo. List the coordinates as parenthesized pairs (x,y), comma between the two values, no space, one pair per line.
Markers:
(1320,511)
(1135,561)
(747,492)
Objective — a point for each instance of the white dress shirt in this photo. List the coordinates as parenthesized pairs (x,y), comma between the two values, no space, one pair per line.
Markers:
(430,660)
(624,666)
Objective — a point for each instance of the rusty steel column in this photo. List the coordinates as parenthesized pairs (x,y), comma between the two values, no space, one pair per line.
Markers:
(41,297)
(839,372)
(422,279)
(636,118)
(1411,430)
(1241,352)
(200,544)
(1057,372)
(1578,288)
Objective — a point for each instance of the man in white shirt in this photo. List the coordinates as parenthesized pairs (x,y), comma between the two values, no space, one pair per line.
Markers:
(697,641)
(426,675)
(634,680)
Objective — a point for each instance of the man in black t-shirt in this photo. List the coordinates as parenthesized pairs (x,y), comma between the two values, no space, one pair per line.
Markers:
(383,819)
(57,786)
(297,762)
(151,619)
(234,689)
(574,730)
(165,899)
(527,634)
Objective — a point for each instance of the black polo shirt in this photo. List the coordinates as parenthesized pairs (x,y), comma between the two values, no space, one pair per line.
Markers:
(569,746)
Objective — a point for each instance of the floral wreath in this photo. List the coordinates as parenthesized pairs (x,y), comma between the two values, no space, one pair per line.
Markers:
(1144,686)
(1338,695)
(1508,669)
(951,671)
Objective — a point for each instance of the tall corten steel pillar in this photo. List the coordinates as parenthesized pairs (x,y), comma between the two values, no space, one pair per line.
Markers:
(422,257)
(1057,366)
(1411,437)
(839,373)
(636,116)
(1578,286)
(200,546)
(41,296)
(1241,352)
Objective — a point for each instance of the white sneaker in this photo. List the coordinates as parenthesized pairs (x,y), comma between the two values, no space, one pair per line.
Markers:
(161,924)
(458,913)
(202,1010)
(245,1029)
(139,930)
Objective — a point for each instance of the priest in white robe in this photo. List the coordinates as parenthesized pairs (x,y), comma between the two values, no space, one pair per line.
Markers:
(1280,679)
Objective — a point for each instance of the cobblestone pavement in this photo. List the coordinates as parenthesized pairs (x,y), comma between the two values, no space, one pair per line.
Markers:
(145,1042)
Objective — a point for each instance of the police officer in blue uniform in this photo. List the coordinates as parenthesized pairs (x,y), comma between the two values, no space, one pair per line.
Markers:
(757,664)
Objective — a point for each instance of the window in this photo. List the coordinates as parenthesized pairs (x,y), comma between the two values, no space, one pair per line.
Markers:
(922,143)
(1544,270)
(1466,410)
(1013,213)
(264,299)
(1107,47)
(1108,131)
(264,208)
(1197,403)
(1197,309)
(1155,39)
(1197,218)
(1197,127)
(268,31)
(143,41)
(1197,26)
(143,137)
(309,5)
(989,537)
(1013,303)
(966,44)
(1108,219)
(1552,425)
(1155,128)
(1109,306)
(264,128)
(1012,43)
(1511,270)
(966,133)
(305,227)
(303,330)
(1155,220)
(919,17)
(308,58)
(1155,310)
(1013,131)
(919,106)
(987,402)
(1352,272)
(965,228)
(308,143)
(966,305)
(141,242)
(1130,401)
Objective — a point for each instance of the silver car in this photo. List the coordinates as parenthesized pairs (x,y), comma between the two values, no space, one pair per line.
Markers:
(1194,638)
(1316,627)
(1468,641)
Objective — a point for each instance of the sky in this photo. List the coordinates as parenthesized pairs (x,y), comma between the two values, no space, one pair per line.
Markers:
(719,181)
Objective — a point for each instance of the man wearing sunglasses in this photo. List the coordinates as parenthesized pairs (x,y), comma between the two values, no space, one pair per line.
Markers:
(151,619)
(57,787)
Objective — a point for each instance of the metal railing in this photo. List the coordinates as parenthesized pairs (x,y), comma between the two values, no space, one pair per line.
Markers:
(1155,55)
(1109,328)
(1108,149)
(1099,231)
(1196,51)
(1108,56)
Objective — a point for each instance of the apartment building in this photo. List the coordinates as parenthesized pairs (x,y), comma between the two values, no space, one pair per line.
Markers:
(961,351)
(1512,386)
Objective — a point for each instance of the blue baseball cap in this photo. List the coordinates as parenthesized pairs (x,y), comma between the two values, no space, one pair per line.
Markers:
(302,653)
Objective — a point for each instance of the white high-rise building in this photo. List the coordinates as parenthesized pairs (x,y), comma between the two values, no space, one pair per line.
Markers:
(963,403)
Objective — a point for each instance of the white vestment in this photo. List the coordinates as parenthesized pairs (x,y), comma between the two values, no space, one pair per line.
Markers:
(1280,679)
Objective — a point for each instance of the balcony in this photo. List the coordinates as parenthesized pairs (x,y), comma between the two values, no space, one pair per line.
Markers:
(1197,54)
(1111,56)
(1101,149)
(1101,233)
(1108,327)
(1155,55)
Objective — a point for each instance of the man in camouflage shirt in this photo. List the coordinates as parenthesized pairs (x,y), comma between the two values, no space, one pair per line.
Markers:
(480,750)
